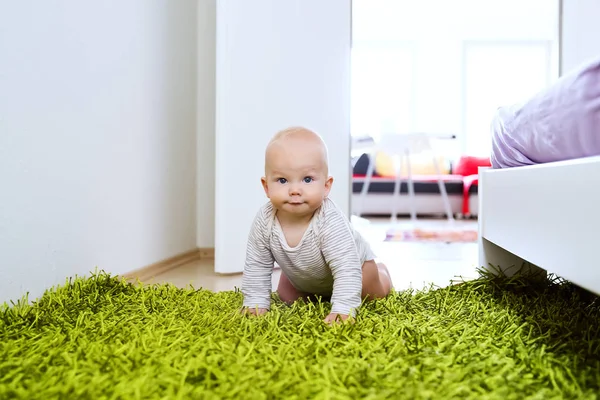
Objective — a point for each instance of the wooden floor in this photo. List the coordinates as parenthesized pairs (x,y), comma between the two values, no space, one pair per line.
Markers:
(411,264)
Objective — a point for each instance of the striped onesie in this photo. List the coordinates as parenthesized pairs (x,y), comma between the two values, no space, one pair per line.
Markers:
(327,261)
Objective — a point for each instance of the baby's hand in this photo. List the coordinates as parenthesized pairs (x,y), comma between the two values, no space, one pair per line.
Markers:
(254,311)
(335,317)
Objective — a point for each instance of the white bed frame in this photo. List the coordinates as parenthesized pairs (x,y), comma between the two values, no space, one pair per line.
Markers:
(527,219)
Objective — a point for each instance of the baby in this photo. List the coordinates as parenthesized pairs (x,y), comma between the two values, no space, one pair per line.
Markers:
(309,237)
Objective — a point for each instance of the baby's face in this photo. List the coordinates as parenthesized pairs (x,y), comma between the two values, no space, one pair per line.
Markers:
(296,178)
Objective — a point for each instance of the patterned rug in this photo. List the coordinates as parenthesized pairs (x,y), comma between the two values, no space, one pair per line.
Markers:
(424,235)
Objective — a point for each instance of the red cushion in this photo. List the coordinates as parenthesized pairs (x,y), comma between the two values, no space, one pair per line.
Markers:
(468,165)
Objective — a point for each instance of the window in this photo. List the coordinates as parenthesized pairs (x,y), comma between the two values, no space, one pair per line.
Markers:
(445,67)
(382,90)
(498,74)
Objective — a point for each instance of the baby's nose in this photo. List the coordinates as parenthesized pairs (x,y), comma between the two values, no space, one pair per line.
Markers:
(295,190)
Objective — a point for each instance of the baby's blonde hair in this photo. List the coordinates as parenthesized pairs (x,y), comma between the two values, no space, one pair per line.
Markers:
(299,132)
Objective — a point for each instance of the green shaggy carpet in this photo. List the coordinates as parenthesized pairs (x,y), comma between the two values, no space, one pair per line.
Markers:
(102,338)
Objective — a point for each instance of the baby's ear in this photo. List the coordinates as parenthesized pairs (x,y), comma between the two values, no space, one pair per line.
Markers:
(263,180)
(328,184)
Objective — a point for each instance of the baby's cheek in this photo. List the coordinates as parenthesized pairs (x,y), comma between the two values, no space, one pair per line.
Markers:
(280,197)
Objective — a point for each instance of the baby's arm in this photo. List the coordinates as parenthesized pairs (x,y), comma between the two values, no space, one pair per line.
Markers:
(258,268)
(341,254)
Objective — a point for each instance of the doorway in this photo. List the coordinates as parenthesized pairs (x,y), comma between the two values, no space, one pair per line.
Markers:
(439,70)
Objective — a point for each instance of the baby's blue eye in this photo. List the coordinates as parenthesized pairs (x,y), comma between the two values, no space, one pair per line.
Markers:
(308,179)
(282,180)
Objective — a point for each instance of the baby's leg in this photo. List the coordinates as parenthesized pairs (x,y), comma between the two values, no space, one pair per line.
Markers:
(287,292)
(376,280)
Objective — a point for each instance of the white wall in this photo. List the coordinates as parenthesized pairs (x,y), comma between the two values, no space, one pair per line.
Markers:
(97,138)
(580,32)
(205,188)
(401,20)
(279,63)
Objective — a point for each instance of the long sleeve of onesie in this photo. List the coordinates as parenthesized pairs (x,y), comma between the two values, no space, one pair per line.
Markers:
(341,254)
(258,268)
